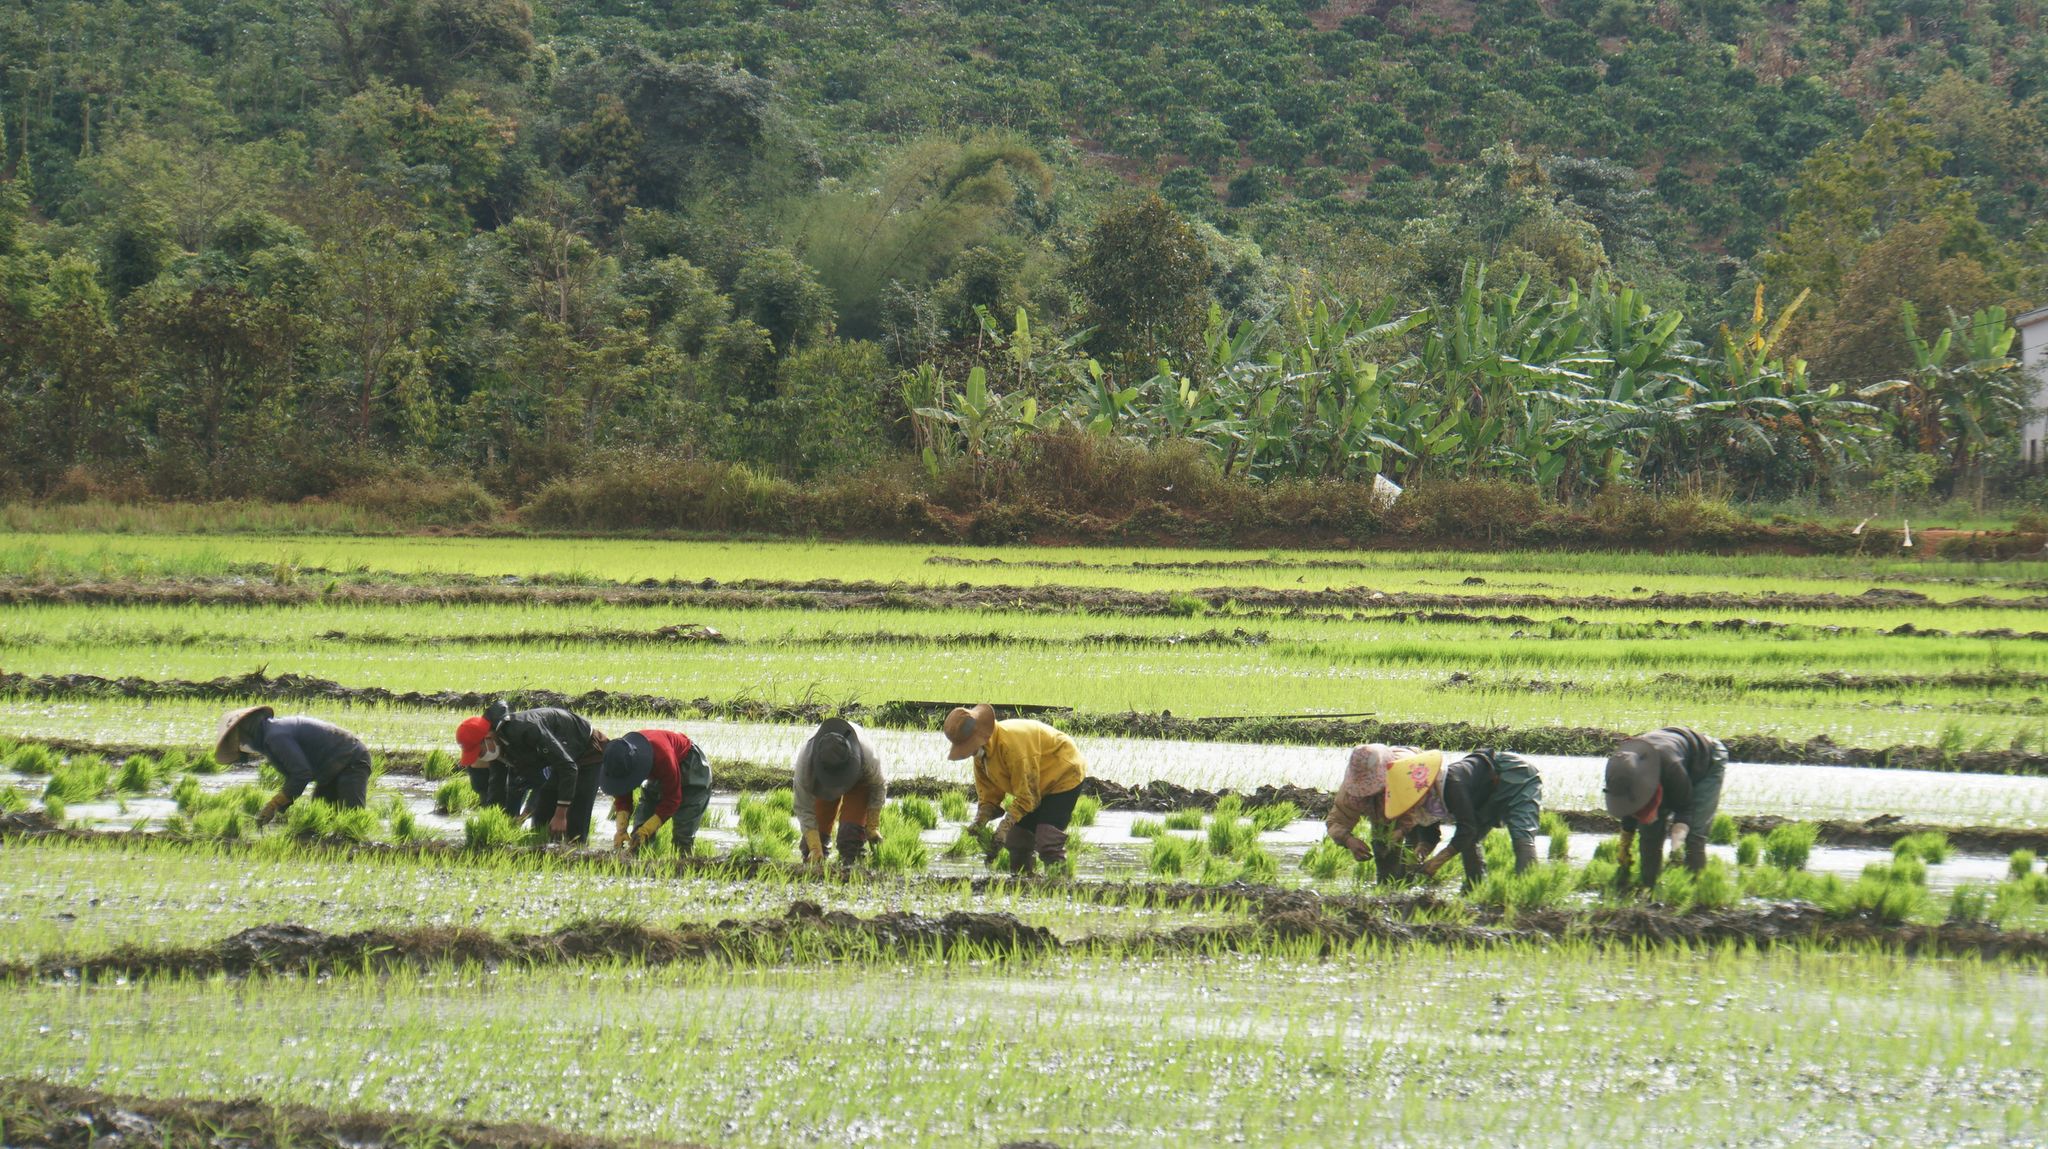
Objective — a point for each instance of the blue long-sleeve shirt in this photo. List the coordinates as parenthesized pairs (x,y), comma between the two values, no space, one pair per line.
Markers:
(306,750)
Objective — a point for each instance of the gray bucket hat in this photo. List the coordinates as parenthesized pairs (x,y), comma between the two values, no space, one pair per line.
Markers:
(835,758)
(1632,779)
(628,760)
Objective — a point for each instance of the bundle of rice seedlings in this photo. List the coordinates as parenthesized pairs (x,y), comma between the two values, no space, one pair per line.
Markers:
(53,808)
(1497,850)
(175,762)
(964,845)
(439,764)
(82,779)
(455,796)
(764,847)
(783,800)
(224,824)
(1887,899)
(902,851)
(1229,806)
(1274,817)
(761,819)
(1536,888)
(1230,837)
(917,810)
(1607,850)
(1723,831)
(1715,888)
(2019,863)
(1930,846)
(1171,856)
(1220,871)
(12,800)
(1598,875)
(1258,865)
(953,804)
(491,828)
(33,758)
(1147,827)
(139,774)
(1749,850)
(1907,869)
(1788,846)
(1086,807)
(1325,860)
(1560,834)
(310,818)
(1186,819)
(404,826)
(1969,904)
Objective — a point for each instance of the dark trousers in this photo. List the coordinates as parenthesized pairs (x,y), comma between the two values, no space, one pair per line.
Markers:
(1052,810)
(349,785)
(497,785)
(580,803)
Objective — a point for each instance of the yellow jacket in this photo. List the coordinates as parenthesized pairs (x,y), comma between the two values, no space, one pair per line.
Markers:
(1025,760)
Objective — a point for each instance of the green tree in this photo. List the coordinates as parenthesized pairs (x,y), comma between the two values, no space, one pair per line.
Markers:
(1144,274)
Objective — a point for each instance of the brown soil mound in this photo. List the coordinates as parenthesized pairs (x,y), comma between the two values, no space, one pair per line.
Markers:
(806,930)
(45,1116)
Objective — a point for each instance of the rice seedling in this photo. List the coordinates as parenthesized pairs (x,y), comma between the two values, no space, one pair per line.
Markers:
(2020,863)
(1171,856)
(1722,832)
(953,805)
(437,765)
(1559,832)
(1147,827)
(1539,887)
(34,759)
(453,797)
(1185,819)
(1274,816)
(964,845)
(1325,860)
(917,810)
(1749,850)
(1228,806)
(1969,904)
(405,827)
(1881,894)
(764,847)
(1606,850)
(54,808)
(1086,807)
(1788,846)
(139,774)
(491,828)
(1257,864)
(1929,846)
(1230,837)
(81,779)
(12,800)
(901,849)
(765,820)
(309,818)
(783,800)
(1599,875)
(175,763)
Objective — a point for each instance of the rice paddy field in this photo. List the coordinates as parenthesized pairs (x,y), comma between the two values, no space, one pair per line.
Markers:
(1861,963)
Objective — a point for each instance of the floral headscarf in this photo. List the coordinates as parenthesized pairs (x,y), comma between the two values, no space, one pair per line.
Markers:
(1365,777)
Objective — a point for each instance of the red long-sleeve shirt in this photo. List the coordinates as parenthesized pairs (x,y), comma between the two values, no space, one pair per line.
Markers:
(670,748)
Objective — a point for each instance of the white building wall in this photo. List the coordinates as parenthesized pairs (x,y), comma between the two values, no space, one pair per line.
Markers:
(2033,356)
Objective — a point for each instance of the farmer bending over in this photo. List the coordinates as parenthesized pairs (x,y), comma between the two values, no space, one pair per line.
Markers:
(490,775)
(838,778)
(553,755)
(1363,794)
(1037,767)
(307,751)
(674,782)
(1666,784)
(1482,790)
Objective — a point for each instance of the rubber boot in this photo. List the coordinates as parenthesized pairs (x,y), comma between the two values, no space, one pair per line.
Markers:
(1052,845)
(853,839)
(1525,854)
(1021,843)
(1696,852)
(684,846)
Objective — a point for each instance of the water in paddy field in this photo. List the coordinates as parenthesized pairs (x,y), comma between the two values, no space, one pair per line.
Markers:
(1117,852)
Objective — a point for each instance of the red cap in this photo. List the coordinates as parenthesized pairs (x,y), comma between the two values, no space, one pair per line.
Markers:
(470,736)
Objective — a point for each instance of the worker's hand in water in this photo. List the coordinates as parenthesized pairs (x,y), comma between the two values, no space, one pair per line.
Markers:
(1360,851)
(1679,830)
(560,824)
(622,821)
(1430,867)
(268,814)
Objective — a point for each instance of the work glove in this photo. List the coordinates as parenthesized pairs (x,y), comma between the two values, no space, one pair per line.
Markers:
(623,820)
(268,813)
(1679,830)
(647,830)
(1624,855)
(814,847)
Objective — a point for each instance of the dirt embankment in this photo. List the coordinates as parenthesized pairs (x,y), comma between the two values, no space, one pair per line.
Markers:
(44,1116)
(920,715)
(1280,919)
(833,594)
(806,932)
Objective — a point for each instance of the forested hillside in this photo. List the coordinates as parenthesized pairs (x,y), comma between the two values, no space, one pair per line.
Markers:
(281,248)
